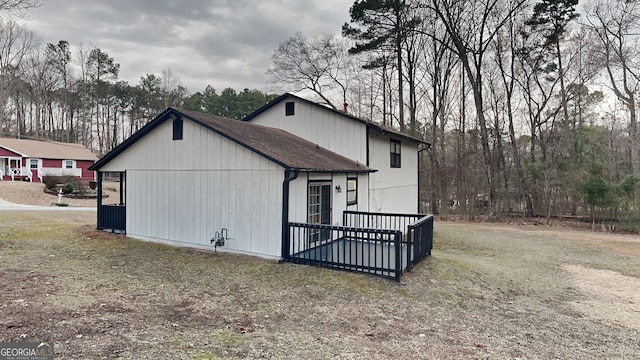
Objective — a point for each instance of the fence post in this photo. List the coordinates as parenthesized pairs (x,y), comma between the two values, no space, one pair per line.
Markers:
(398,245)
(430,236)
(410,246)
(100,210)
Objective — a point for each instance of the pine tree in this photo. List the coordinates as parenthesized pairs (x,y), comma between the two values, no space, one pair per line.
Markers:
(380,25)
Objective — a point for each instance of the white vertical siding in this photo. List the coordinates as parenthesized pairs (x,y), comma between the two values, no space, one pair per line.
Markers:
(393,190)
(298,198)
(363,193)
(338,199)
(387,190)
(183,191)
(321,126)
(187,215)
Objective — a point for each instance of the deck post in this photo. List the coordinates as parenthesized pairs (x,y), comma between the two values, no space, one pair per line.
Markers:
(411,241)
(121,186)
(289,176)
(397,241)
(99,198)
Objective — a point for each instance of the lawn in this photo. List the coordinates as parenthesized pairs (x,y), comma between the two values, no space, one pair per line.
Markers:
(488,291)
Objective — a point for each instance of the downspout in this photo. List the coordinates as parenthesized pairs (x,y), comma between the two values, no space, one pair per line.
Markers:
(122,180)
(99,202)
(123,197)
(369,176)
(419,176)
(289,176)
(367,141)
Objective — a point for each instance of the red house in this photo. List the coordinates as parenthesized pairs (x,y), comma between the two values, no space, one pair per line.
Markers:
(22,159)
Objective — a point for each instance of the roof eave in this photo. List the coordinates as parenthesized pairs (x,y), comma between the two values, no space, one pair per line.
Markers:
(390,132)
(335,171)
(14,151)
(131,140)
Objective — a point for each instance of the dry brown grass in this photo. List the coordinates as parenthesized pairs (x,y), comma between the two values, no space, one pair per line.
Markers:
(27,193)
(494,292)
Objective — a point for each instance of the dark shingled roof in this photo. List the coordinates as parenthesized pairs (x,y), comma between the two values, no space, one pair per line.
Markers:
(279,146)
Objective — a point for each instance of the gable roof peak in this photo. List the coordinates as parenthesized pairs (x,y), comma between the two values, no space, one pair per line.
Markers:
(369,123)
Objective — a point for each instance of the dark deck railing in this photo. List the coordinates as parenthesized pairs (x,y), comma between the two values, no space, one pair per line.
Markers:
(417,230)
(374,251)
(383,244)
(112,217)
(419,240)
(380,220)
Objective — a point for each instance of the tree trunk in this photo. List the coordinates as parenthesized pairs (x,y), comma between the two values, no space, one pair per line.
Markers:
(398,27)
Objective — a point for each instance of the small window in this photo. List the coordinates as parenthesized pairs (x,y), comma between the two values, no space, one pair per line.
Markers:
(289,108)
(69,164)
(352,191)
(33,163)
(177,129)
(395,153)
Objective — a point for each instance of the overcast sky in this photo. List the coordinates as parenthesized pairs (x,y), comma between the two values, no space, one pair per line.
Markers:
(224,43)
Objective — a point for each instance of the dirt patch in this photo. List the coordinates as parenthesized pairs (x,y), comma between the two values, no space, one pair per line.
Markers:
(607,295)
(90,232)
(620,243)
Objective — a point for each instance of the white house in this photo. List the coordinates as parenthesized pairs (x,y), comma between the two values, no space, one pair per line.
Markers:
(191,177)
(393,188)
(204,181)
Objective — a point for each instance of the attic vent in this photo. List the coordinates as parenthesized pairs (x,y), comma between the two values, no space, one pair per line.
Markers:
(177,129)
(289,108)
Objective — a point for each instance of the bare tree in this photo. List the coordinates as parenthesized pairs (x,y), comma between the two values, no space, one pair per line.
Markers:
(316,64)
(84,133)
(472,27)
(172,90)
(18,8)
(58,57)
(16,43)
(506,50)
(616,24)
(438,66)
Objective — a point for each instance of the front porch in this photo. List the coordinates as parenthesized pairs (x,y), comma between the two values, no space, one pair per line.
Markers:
(16,173)
(36,174)
(381,244)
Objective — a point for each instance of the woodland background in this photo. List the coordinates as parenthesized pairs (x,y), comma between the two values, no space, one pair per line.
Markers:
(530,107)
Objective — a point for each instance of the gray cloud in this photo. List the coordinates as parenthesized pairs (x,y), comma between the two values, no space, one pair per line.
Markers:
(224,43)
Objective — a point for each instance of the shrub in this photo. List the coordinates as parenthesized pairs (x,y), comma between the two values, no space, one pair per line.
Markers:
(51,181)
(82,186)
(69,187)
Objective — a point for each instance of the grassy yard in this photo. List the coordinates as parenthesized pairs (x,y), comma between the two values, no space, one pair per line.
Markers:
(488,291)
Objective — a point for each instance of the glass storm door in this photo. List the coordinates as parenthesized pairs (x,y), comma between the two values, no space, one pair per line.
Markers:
(319,210)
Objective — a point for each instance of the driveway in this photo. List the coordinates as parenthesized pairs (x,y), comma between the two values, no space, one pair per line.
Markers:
(5,205)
